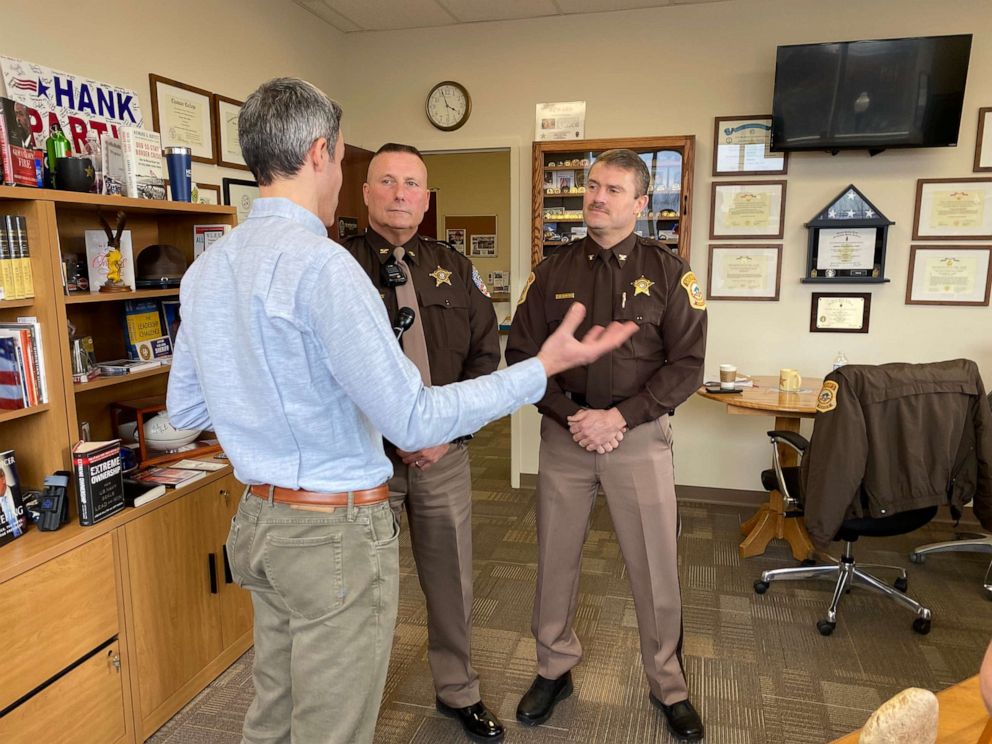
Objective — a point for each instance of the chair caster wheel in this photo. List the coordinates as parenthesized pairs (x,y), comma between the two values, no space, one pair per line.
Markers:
(825,627)
(902,583)
(921,625)
(917,558)
(760,587)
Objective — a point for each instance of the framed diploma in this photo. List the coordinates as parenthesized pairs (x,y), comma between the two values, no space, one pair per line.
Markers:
(182,115)
(953,209)
(983,145)
(240,194)
(208,193)
(839,312)
(226,141)
(740,210)
(949,275)
(744,272)
(741,147)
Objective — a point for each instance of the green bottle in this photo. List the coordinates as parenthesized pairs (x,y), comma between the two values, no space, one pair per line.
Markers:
(57,147)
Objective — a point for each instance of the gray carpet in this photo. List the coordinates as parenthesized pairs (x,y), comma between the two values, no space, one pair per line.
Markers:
(759,671)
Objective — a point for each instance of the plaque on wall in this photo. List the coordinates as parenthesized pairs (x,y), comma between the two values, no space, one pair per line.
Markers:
(846,241)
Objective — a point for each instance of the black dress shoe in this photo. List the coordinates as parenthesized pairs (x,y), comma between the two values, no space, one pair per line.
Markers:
(683,720)
(478,721)
(537,705)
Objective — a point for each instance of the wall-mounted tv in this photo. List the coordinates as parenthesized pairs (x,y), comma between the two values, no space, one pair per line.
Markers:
(870,94)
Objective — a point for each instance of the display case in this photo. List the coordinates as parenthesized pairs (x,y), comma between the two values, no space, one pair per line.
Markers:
(560,173)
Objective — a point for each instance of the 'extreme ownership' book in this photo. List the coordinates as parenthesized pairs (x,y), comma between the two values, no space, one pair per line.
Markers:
(99,482)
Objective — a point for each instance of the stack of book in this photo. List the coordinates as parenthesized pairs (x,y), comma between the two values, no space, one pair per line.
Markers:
(23,380)
(16,276)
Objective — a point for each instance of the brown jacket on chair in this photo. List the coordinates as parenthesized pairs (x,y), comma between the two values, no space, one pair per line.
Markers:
(897,437)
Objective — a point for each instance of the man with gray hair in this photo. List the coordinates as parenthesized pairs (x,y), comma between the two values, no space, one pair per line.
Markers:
(285,351)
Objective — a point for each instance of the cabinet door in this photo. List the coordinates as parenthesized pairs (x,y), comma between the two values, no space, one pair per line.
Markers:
(235,602)
(176,618)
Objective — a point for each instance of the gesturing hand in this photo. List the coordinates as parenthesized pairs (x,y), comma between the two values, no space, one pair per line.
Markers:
(597,431)
(561,350)
(422,459)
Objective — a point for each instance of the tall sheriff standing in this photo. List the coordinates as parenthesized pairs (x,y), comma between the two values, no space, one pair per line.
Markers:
(607,425)
(454,337)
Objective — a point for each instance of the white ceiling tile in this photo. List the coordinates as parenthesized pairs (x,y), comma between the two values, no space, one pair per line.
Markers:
(468,11)
(390,14)
(322,11)
(600,6)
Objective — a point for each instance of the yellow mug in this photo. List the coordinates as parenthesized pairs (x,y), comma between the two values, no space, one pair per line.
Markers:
(789,380)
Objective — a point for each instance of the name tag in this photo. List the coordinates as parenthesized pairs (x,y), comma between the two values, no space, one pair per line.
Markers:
(565,295)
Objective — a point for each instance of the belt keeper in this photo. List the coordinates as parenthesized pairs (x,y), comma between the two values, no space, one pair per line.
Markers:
(272,495)
(351,506)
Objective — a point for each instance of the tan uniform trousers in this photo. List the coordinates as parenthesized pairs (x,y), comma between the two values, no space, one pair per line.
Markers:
(639,482)
(438,505)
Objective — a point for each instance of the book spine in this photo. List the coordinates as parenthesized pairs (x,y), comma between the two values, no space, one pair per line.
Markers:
(130,163)
(39,356)
(82,493)
(30,373)
(14,257)
(7,262)
(26,271)
(6,156)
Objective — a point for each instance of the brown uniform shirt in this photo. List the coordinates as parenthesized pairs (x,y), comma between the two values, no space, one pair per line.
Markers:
(657,368)
(459,320)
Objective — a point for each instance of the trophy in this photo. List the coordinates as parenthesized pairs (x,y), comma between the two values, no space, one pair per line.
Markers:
(114,257)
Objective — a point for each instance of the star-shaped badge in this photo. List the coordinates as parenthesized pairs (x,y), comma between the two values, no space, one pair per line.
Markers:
(441,276)
(642,286)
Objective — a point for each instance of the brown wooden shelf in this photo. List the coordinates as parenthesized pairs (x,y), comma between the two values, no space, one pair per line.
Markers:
(22,412)
(566,167)
(98,201)
(110,380)
(87,297)
(559,196)
(27,302)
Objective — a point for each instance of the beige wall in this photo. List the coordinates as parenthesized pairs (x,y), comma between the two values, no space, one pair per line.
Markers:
(475,183)
(670,71)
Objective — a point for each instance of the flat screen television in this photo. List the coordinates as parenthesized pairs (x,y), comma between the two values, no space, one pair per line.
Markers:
(870,94)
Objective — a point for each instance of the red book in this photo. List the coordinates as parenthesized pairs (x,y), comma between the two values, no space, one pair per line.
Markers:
(17,145)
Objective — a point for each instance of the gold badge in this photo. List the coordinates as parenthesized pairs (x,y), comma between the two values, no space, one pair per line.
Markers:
(523,295)
(564,295)
(384,251)
(827,398)
(441,276)
(642,286)
(691,287)
(621,257)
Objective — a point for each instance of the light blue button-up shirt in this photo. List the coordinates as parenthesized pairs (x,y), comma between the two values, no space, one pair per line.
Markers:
(286,352)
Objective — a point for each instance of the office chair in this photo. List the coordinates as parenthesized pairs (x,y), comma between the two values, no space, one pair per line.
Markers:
(976,544)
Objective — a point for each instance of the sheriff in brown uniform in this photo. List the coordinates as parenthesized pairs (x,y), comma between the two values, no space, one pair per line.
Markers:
(454,337)
(607,425)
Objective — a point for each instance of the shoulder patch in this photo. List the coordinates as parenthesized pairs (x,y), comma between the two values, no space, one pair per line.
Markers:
(523,295)
(692,289)
(827,398)
(480,285)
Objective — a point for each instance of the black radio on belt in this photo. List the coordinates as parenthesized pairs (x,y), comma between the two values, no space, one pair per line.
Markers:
(392,275)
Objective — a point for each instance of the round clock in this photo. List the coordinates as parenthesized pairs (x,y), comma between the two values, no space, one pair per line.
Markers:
(448,105)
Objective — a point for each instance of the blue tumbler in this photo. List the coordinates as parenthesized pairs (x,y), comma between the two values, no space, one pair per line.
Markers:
(180,164)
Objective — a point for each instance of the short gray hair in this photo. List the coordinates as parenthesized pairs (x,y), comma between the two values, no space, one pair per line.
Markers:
(280,122)
(631,162)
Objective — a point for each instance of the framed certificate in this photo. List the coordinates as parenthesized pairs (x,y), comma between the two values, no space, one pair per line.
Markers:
(839,312)
(208,193)
(744,272)
(949,275)
(747,209)
(240,194)
(953,208)
(741,147)
(226,141)
(182,115)
(983,145)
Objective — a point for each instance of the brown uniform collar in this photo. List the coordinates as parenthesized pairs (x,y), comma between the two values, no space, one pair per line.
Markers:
(623,248)
(384,249)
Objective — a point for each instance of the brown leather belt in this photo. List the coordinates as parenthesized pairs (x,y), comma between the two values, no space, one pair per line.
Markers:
(314,498)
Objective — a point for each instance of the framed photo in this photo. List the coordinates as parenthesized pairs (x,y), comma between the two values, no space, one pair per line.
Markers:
(949,275)
(208,193)
(456,236)
(740,210)
(983,145)
(742,147)
(240,194)
(839,312)
(744,272)
(182,115)
(226,141)
(953,209)
(483,246)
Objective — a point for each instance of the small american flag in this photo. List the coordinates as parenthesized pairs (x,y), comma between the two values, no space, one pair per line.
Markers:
(25,84)
(11,392)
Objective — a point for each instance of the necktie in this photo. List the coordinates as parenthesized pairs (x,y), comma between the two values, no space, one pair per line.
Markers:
(599,377)
(414,342)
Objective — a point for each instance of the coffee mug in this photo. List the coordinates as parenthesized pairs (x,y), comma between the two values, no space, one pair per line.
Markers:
(728,376)
(789,380)
(74,174)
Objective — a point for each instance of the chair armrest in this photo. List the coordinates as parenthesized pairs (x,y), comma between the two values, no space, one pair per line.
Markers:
(797,441)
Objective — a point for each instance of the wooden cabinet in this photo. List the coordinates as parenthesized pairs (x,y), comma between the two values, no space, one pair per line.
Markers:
(560,171)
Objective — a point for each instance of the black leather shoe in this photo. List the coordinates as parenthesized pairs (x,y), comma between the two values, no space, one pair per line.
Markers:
(478,721)
(537,705)
(683,720)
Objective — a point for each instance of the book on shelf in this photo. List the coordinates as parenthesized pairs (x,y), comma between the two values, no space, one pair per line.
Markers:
(171,319)
(206,235)
(155,350)
(17,144)
(99,480)
(170,477)
(114,172)
(17,235)
(204,465)
(13,395)
(142,322)
(27,359)
(144,175)
(13,516)
(96,258)
(117,367)
(34,326)
(137,493)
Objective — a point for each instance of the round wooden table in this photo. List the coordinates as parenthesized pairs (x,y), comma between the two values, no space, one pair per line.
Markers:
(773,521)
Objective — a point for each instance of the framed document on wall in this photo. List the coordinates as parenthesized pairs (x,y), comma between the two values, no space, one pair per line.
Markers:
(744,272)
(983,144)
(226,141)
(953,209)
(182,115)
(742,147)
(740,210)
(949,275)
(839,312)
(240,194)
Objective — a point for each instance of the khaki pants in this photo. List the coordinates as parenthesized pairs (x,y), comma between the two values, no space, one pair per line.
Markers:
(438,505)
(639,482)
(324,586)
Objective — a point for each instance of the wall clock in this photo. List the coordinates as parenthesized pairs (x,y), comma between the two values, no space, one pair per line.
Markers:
(448,105)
